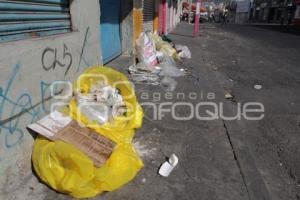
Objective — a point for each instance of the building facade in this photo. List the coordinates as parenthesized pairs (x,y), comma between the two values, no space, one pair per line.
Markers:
(156,15)
(42,41)
(297,13)
(273,11)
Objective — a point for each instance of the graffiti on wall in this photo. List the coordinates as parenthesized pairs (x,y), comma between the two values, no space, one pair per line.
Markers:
(66,61)
(18,108)
(82,56)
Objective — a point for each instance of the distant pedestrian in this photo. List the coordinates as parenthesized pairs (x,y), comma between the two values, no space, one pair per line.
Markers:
(225,16)
(212,17)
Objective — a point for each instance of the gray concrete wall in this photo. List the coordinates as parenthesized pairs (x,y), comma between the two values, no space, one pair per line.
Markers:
(241,17)
(23,91)
(127,26)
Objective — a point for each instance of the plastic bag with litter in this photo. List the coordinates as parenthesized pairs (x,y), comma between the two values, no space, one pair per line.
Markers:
(168,68)
(183,51)
(162,46)
(146,51)
(141,74)
(66,169)
(101,103)
(169,83)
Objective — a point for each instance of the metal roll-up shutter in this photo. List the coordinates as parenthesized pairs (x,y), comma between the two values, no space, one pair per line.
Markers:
(33,18)
(148,15)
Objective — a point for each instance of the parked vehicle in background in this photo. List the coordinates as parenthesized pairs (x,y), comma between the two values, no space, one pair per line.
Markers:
(204,17)
(203,12)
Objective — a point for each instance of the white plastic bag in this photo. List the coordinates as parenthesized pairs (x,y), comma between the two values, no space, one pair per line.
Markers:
(183,51)
(101,103)
(168,68)
(169,83)
(146,50)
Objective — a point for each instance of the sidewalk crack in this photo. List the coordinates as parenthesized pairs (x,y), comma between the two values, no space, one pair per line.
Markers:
(237,160)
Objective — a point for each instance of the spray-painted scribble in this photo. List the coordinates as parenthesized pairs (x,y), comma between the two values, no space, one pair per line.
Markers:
(82,58)
(66,61)
(18,108)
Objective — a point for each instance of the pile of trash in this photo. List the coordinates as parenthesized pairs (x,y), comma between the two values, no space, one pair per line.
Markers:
(102,103)
(157,58)
(86,148)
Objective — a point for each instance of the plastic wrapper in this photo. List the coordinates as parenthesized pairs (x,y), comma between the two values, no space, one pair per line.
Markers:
(163,46)
(183,51)
(68,170)
(168,50)
(102,103)
(121,128)
(141,74)
(169,68)
(146,50)
(169,83)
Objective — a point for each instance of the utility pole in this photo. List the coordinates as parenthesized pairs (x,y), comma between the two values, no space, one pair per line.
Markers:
(197,19)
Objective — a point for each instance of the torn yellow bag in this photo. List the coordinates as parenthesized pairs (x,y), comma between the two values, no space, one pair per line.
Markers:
(163,46)
(122,128)
(68,170)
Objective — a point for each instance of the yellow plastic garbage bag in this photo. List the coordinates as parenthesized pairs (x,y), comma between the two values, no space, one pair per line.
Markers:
(68,170)
(122,128)
(168,50)
(163,46)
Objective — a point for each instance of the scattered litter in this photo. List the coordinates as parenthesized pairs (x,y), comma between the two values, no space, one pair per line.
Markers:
(169,83)
(183,51)
(258,87)
(185,71)
(55,127)
(159,55)
(228,96)
(146,50)
(157,65)
(145,149)
(144,180)
(168,166)
(102,103)
(164,46)
(143,76)
(215,68)
(75,147)
(167,39)
(168,68)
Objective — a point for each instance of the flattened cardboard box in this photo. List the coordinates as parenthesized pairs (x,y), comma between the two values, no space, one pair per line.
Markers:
(55,126)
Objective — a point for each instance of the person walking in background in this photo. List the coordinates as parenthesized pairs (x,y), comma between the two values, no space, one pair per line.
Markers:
(211,17)
(224,16)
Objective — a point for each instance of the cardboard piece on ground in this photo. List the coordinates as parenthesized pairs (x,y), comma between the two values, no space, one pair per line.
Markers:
(55,126)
